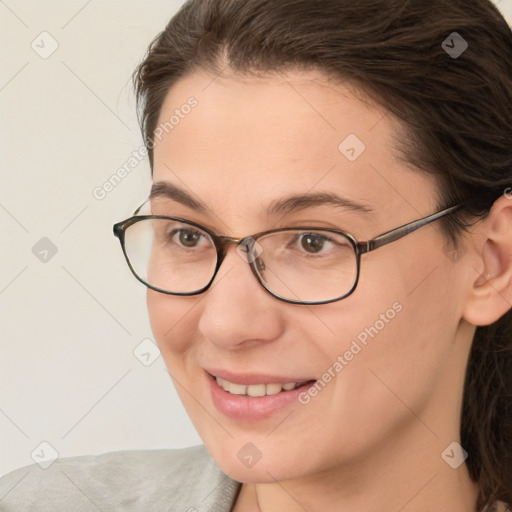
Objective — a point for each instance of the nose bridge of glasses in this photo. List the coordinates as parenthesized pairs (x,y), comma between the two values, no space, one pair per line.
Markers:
(229,240)
(246,247)
(245,243)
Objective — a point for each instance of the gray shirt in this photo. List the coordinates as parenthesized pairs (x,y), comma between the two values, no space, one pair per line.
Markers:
(186,480)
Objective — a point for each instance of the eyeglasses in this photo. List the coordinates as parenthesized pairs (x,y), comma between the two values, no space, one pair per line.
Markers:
(300,265)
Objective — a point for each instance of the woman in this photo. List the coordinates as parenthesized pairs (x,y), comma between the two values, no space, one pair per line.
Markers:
(327,248)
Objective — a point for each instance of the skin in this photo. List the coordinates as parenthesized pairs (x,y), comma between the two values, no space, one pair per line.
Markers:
(373,438)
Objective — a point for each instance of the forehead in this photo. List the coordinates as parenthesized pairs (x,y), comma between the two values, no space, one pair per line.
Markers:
(292,132)
(289,108)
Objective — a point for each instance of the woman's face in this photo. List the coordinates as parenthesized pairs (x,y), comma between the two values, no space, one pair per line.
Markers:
(386,358)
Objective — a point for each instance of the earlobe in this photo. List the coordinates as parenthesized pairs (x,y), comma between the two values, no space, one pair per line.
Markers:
(490,296)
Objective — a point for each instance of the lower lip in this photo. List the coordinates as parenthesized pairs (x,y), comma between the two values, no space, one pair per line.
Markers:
(242,407)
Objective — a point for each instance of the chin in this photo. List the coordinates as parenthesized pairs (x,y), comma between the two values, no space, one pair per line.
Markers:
(263,471)
(255,459)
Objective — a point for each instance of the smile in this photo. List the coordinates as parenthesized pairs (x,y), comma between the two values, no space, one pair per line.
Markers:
(253,397)
(256,390)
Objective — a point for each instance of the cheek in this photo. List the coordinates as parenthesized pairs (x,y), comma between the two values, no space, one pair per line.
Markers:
(398,340)
(172,321)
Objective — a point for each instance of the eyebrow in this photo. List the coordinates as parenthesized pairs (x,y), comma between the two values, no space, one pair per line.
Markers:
(303,201)
(169,191)
(285,205)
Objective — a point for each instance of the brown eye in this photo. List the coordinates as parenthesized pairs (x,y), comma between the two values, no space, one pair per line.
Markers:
(312,243)
(189,238)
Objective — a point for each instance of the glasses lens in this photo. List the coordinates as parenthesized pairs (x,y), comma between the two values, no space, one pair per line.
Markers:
(170,255)
(307,266)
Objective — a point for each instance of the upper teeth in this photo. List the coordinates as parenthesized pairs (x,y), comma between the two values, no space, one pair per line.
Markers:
(255,389)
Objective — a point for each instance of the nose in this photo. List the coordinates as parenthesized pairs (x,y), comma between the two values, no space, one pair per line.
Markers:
(236,310)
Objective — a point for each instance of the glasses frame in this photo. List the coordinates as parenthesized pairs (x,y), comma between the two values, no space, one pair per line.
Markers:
(221,244)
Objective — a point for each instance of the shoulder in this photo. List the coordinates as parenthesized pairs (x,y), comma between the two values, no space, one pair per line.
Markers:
(184,480)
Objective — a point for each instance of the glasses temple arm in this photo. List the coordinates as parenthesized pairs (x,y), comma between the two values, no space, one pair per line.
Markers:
(397,233)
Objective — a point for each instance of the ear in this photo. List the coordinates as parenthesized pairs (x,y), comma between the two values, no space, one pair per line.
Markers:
(490,296)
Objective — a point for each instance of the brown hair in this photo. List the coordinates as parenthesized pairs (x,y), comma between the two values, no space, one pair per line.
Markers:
(456,111)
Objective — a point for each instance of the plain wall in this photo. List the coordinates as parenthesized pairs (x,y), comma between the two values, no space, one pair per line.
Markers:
(70,321)
(69,326)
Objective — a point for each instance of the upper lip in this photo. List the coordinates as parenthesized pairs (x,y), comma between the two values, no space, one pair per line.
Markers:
(249,379)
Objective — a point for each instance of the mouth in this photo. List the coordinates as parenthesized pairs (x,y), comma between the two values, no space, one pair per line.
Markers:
(257,390)
(253,397)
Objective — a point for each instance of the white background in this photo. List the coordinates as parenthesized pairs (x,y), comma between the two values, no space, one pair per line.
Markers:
(69,326)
